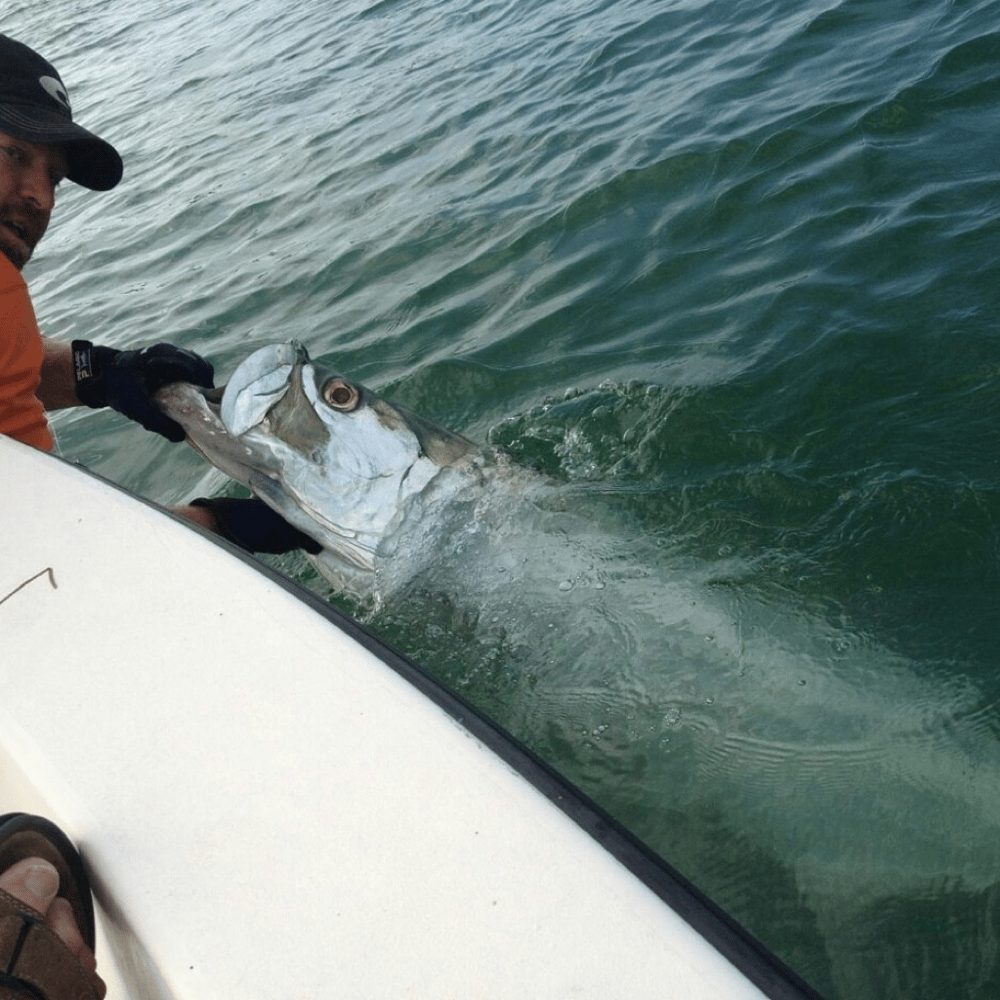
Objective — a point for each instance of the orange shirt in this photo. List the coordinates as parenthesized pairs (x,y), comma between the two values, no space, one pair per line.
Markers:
(21,413)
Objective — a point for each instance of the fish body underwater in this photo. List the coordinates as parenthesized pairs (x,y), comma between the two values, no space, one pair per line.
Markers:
(703,695)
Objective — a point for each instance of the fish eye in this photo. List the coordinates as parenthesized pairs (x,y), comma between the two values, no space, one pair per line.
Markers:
(341,395)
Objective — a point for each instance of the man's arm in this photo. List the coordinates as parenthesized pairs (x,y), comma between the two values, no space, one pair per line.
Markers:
(248,523)
(126,380)
(57,389)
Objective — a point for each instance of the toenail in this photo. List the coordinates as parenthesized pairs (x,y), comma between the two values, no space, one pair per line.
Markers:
(42,881)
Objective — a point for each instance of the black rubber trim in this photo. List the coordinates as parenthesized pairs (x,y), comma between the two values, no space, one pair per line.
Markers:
(744,951)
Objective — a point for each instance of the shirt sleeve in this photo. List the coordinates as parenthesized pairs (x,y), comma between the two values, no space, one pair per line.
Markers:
(22,415)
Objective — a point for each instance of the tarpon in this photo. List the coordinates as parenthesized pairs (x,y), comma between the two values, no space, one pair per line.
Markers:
(673,671)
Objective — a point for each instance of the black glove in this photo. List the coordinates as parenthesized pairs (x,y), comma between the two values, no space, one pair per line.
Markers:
(253,526)
(126,380)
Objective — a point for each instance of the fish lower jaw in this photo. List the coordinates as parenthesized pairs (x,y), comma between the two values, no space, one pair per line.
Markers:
(349,550)
(346,576)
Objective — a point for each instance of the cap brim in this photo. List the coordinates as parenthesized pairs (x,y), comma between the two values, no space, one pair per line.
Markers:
(93,163)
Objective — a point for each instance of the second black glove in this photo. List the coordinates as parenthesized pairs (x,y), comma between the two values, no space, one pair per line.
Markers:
(253,526)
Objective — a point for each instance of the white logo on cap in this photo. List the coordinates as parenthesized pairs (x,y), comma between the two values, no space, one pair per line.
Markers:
(55,89)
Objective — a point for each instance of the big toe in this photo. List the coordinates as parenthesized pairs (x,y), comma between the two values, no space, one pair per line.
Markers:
(33,882)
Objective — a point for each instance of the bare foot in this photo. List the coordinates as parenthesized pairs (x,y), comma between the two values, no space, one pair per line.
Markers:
(35,883)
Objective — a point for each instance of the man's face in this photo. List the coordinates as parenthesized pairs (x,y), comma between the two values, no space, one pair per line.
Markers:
(29,174)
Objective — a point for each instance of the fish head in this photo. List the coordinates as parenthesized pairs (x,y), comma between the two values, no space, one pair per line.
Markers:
(330,455)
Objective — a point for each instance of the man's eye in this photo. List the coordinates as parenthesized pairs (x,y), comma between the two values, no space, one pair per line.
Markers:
(13,153)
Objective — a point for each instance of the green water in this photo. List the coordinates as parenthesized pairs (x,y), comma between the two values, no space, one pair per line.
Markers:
(726,271)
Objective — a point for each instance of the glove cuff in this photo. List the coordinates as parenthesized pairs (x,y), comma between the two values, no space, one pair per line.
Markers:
(90,363)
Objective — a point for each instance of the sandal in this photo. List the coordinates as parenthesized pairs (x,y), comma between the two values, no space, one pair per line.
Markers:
(33,959)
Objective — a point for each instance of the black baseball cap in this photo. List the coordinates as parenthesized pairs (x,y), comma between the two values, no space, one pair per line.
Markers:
(34,107)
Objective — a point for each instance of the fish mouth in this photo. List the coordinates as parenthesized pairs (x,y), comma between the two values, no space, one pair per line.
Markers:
(258,384)
(265,401)
(197,411)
